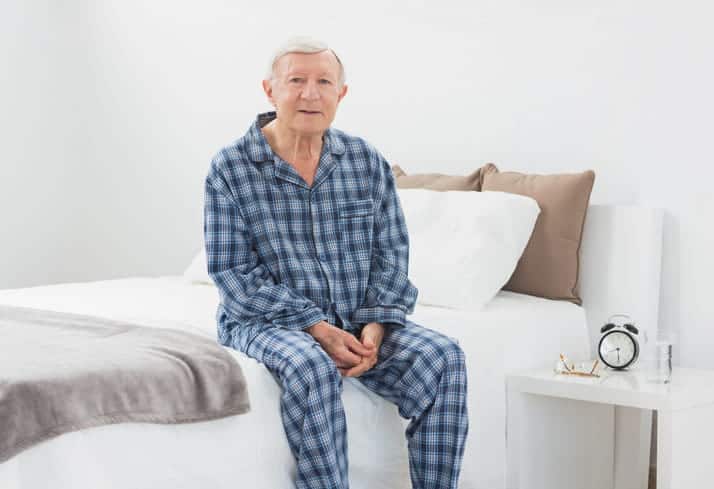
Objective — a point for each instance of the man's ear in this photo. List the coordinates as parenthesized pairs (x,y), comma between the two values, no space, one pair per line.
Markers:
(342,94)
(268,89)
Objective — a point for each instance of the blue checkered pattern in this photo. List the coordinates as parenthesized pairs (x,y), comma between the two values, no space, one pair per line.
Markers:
(286,255)
(418,369)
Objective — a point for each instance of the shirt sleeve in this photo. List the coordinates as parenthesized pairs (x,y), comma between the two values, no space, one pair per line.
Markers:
(390,295)
(247,290)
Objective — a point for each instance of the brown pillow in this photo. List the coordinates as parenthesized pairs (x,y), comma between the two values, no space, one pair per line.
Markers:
(439,181)
(549,265)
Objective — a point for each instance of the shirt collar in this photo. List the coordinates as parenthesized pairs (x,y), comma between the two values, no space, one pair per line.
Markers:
(259,149)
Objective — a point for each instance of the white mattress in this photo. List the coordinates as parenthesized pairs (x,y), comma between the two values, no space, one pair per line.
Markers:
(250,451)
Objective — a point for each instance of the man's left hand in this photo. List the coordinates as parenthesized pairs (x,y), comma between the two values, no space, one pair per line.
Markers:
(372,335)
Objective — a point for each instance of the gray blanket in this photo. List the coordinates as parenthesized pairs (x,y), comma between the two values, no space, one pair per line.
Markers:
(62,372)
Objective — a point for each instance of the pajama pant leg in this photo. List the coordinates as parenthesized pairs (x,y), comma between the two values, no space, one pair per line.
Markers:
(310,405)
(423,372)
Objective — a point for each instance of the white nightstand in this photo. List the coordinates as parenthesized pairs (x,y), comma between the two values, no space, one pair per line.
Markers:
(560,428)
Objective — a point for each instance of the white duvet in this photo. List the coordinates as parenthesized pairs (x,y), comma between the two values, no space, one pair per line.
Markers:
(250,451)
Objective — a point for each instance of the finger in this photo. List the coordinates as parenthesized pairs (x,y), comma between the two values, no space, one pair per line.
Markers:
(357,347)
(357,370)
(340,362)
(371,361)
(371,338)
(373,357)
(373,329)
(346,358)
(369,342)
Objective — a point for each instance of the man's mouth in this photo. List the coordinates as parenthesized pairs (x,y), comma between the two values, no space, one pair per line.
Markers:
(310,112)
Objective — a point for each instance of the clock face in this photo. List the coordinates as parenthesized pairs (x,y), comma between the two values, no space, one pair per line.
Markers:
(617,349)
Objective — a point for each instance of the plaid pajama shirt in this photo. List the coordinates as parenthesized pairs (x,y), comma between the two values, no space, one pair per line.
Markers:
(285,255)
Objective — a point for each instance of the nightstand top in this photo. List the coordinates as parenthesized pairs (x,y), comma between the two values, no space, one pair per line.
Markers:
(689,387)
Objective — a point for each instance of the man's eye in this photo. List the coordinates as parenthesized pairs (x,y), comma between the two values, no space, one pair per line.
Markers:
(295,80)
(325,82)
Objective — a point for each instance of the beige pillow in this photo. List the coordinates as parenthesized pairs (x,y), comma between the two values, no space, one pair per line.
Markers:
(549,265)
(439,181)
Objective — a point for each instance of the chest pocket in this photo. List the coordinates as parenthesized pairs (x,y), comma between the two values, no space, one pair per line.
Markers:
(356,221)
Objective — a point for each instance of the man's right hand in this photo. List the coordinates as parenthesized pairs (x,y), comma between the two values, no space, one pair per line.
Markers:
(344,348)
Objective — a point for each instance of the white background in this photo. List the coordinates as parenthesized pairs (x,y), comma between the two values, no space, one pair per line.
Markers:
(111,111)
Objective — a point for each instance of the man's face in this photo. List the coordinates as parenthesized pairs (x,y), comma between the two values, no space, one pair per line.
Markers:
(305,91)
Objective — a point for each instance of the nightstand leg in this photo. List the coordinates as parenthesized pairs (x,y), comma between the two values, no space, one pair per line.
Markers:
(683,455)
(633,430)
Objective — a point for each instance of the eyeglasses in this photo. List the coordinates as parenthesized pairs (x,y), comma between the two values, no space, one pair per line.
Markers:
(562,367)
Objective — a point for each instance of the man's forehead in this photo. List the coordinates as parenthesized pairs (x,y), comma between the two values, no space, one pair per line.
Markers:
(323,62)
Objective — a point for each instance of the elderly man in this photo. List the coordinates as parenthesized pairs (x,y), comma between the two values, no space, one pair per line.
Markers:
(307,244)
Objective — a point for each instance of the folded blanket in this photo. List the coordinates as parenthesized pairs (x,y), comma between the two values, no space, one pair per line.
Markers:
(62,372)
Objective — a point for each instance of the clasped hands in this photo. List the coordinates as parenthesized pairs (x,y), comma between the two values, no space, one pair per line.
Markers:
(353,357)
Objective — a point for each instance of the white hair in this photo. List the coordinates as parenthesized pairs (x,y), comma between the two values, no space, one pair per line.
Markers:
(304,45)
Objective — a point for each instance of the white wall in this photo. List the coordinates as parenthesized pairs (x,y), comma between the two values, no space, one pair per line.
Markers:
(115,109)
(41,143)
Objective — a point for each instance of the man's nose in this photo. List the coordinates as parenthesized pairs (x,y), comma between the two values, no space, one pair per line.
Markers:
(311,91)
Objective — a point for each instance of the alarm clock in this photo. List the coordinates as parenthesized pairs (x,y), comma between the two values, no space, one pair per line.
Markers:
(619,347)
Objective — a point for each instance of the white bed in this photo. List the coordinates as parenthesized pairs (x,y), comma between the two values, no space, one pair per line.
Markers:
(250,451)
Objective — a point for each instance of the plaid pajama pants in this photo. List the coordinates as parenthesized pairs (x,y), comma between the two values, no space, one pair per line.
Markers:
(420,370)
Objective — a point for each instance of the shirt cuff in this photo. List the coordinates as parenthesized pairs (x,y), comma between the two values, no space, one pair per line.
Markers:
(303,319)
(379,314)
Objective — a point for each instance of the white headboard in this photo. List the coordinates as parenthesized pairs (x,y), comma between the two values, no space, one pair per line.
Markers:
(620,264)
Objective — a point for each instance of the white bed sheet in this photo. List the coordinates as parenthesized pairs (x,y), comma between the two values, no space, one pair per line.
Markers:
(250,451)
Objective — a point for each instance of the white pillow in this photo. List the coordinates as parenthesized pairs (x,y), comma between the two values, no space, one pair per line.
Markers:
(197,271)
(464,246)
